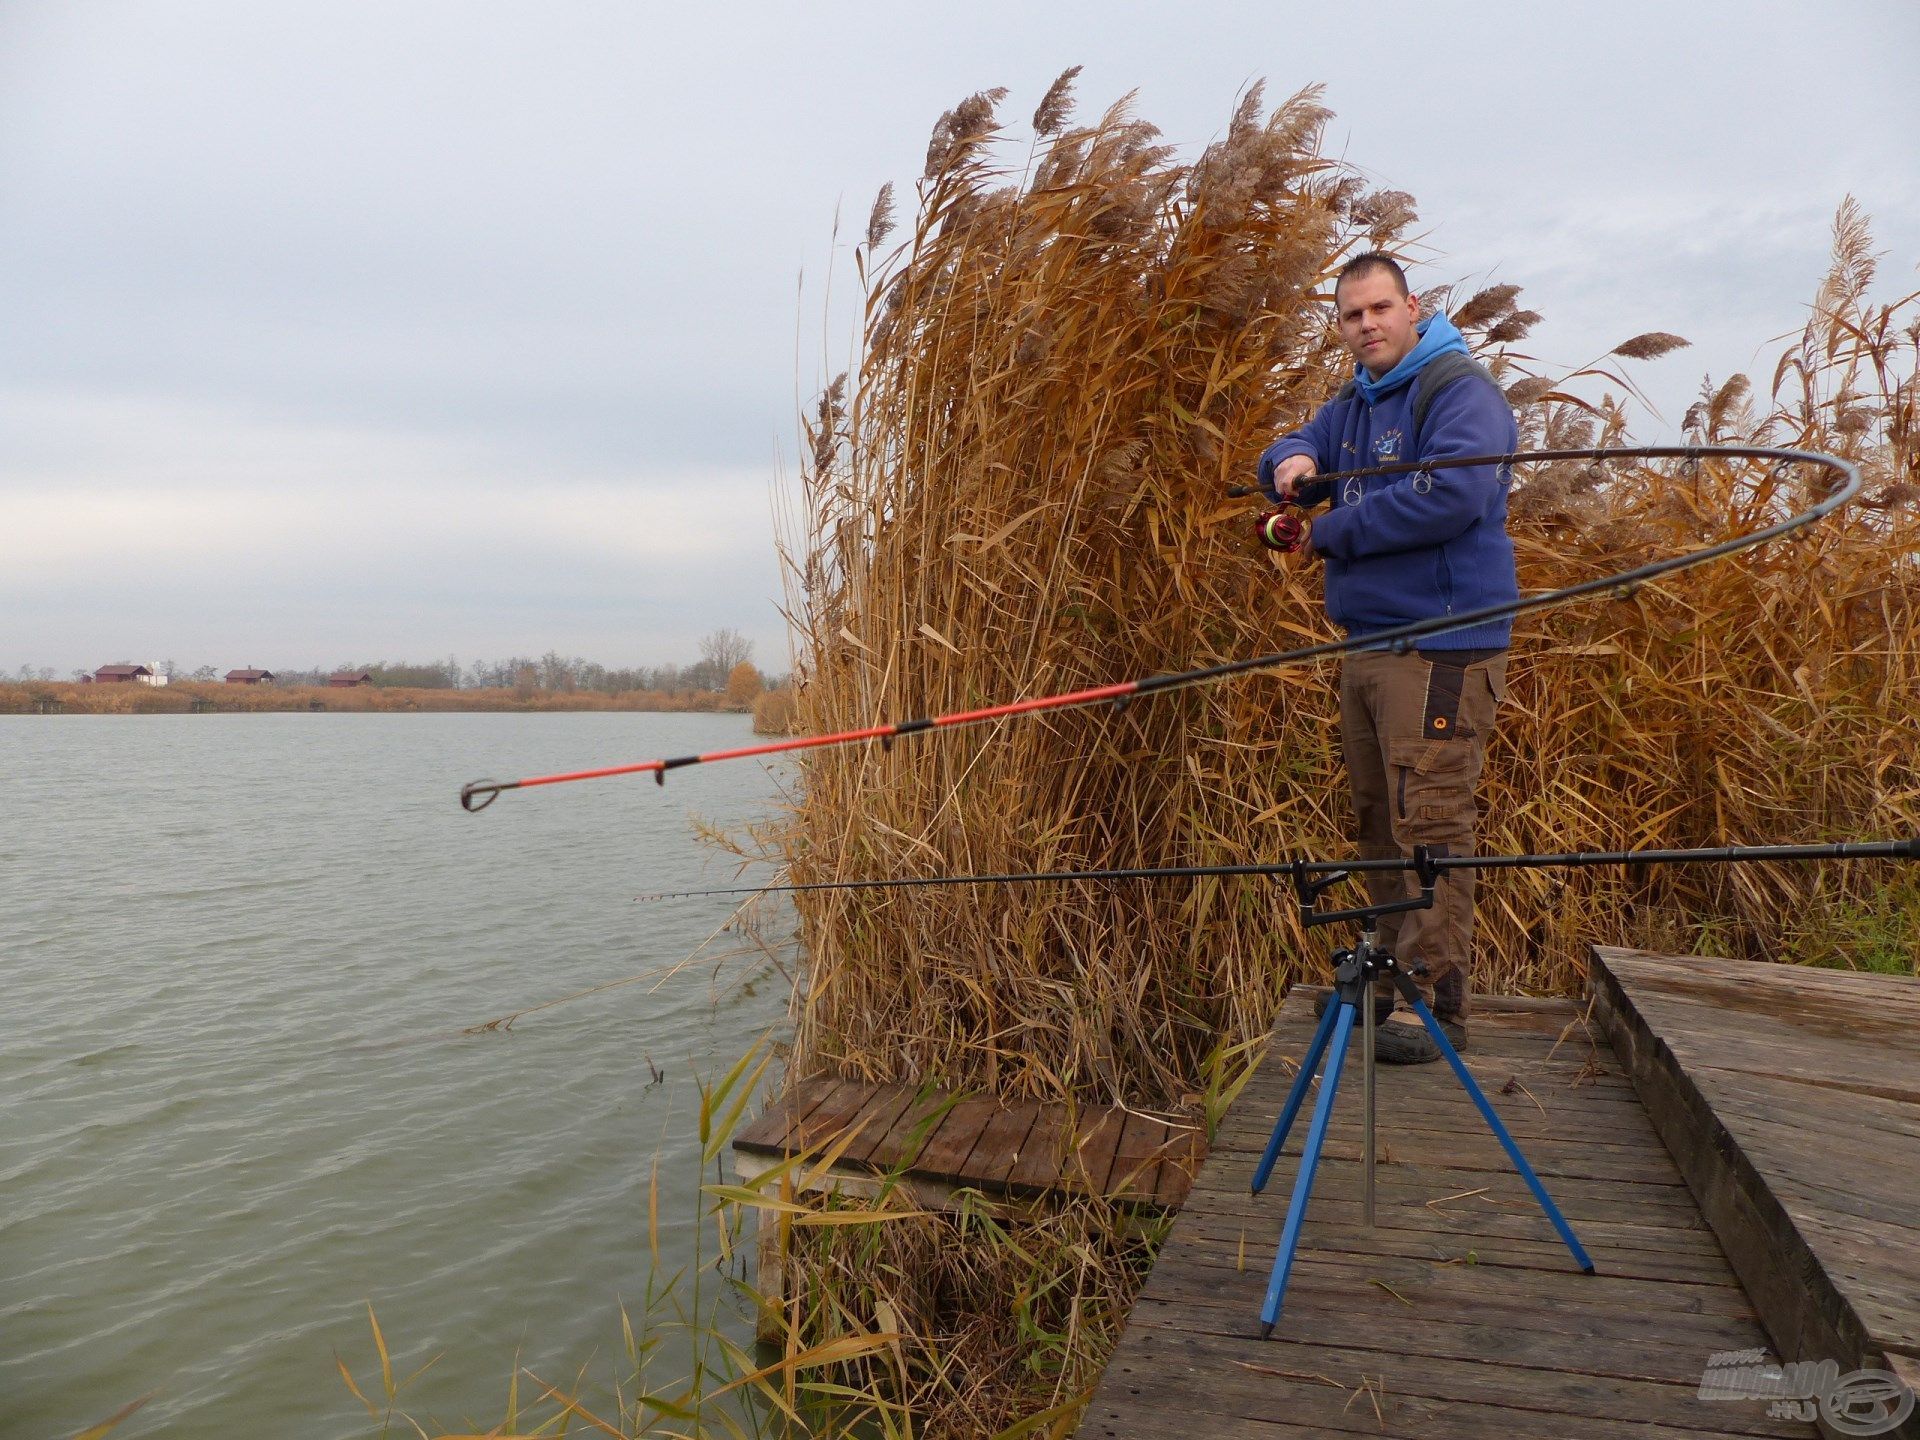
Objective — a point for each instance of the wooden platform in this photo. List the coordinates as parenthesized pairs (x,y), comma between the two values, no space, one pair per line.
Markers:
(937,1144)
(1791,1098)
(1461,1314)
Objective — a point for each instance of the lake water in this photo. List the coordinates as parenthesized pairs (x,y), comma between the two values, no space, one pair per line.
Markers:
(236,956)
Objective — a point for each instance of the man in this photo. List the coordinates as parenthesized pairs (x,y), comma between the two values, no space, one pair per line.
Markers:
(1398,549)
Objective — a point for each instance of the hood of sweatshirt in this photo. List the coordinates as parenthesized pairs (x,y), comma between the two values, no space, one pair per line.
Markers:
(1437,337)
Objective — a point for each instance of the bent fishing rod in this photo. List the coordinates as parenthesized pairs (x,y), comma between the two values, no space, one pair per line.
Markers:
(1317,875)
(476,795)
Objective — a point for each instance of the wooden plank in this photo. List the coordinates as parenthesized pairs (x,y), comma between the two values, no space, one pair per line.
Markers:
(1178,1384)
(1480,1007)
(945,1155)
(1836,995)
(1792,1101)
(1525,1124)
(831,1118)
(1430,1287)
(1089,1158)
(1417,1185)
(1467,1130)
(1558,1083)
(1673,1347)
(1253,1240)
(785,1137)
(1834,1030)
(1554,1087)
(1001,1143)
(769,1132)
(1237,1390)
(1136,1159)
(1765,1097)
(1467,1220)
(1471,1150)
(1522,1120)
(1186,1149)
(906,1139)
(875,1120)
(1035,1166)
(1566,1391)
(1436,1129)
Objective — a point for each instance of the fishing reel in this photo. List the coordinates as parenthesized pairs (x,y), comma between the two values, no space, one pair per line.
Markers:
(1284,529)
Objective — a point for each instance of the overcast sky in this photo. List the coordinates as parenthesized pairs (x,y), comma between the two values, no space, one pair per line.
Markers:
(338,331)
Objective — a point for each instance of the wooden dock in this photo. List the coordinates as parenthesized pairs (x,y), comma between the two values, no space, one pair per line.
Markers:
(935,1148)
(1737,1145)
(1461,1314)
(934,1145)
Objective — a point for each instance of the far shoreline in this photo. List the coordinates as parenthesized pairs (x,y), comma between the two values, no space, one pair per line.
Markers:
(195,697)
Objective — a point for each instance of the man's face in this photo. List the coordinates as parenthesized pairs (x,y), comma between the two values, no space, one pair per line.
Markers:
(1376,321)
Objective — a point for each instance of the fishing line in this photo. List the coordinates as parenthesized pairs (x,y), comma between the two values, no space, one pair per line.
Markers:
(1332,871)
(478,794)
(660,975)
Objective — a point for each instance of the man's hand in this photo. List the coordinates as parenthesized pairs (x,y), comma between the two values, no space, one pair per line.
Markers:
(1291,473)
(1284,530)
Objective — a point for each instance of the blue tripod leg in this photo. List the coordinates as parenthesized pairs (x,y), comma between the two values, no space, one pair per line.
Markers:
(1309,1064)
(1309,1162)
(1499,1131)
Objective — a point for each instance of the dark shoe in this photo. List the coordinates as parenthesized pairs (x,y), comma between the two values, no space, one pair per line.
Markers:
(1382,1006)
(1404,1045)
(1412,1045)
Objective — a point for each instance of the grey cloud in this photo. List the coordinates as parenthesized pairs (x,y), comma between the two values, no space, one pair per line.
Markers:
(497,262)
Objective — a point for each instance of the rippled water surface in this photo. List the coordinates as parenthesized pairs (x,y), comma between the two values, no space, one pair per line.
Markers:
(237,953)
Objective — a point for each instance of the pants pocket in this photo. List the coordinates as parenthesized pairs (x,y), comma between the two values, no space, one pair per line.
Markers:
(1433,783)
(1494,672)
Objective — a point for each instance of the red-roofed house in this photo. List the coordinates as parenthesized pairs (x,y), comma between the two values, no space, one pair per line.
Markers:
(123,674)
(349,679)
(248,677)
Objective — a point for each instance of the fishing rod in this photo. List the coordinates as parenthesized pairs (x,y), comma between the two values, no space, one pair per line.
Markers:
(476,795)
(1317,875)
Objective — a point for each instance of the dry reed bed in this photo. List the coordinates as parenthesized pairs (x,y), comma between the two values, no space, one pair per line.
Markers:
(1062,367)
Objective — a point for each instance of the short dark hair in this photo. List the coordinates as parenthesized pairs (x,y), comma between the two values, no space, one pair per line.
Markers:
(1369,262)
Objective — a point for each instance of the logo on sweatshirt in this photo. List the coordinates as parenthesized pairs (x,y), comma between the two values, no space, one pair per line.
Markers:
(1386,446)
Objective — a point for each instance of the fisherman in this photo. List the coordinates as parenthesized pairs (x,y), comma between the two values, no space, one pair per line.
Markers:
(1399,549)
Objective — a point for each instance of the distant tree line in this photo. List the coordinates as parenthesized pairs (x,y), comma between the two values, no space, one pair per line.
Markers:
(725,664)
(721,653)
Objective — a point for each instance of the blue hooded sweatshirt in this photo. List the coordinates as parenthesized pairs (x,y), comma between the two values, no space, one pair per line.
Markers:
(1410,547)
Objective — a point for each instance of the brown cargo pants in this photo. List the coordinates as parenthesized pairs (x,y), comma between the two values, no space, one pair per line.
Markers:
(1414,729)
